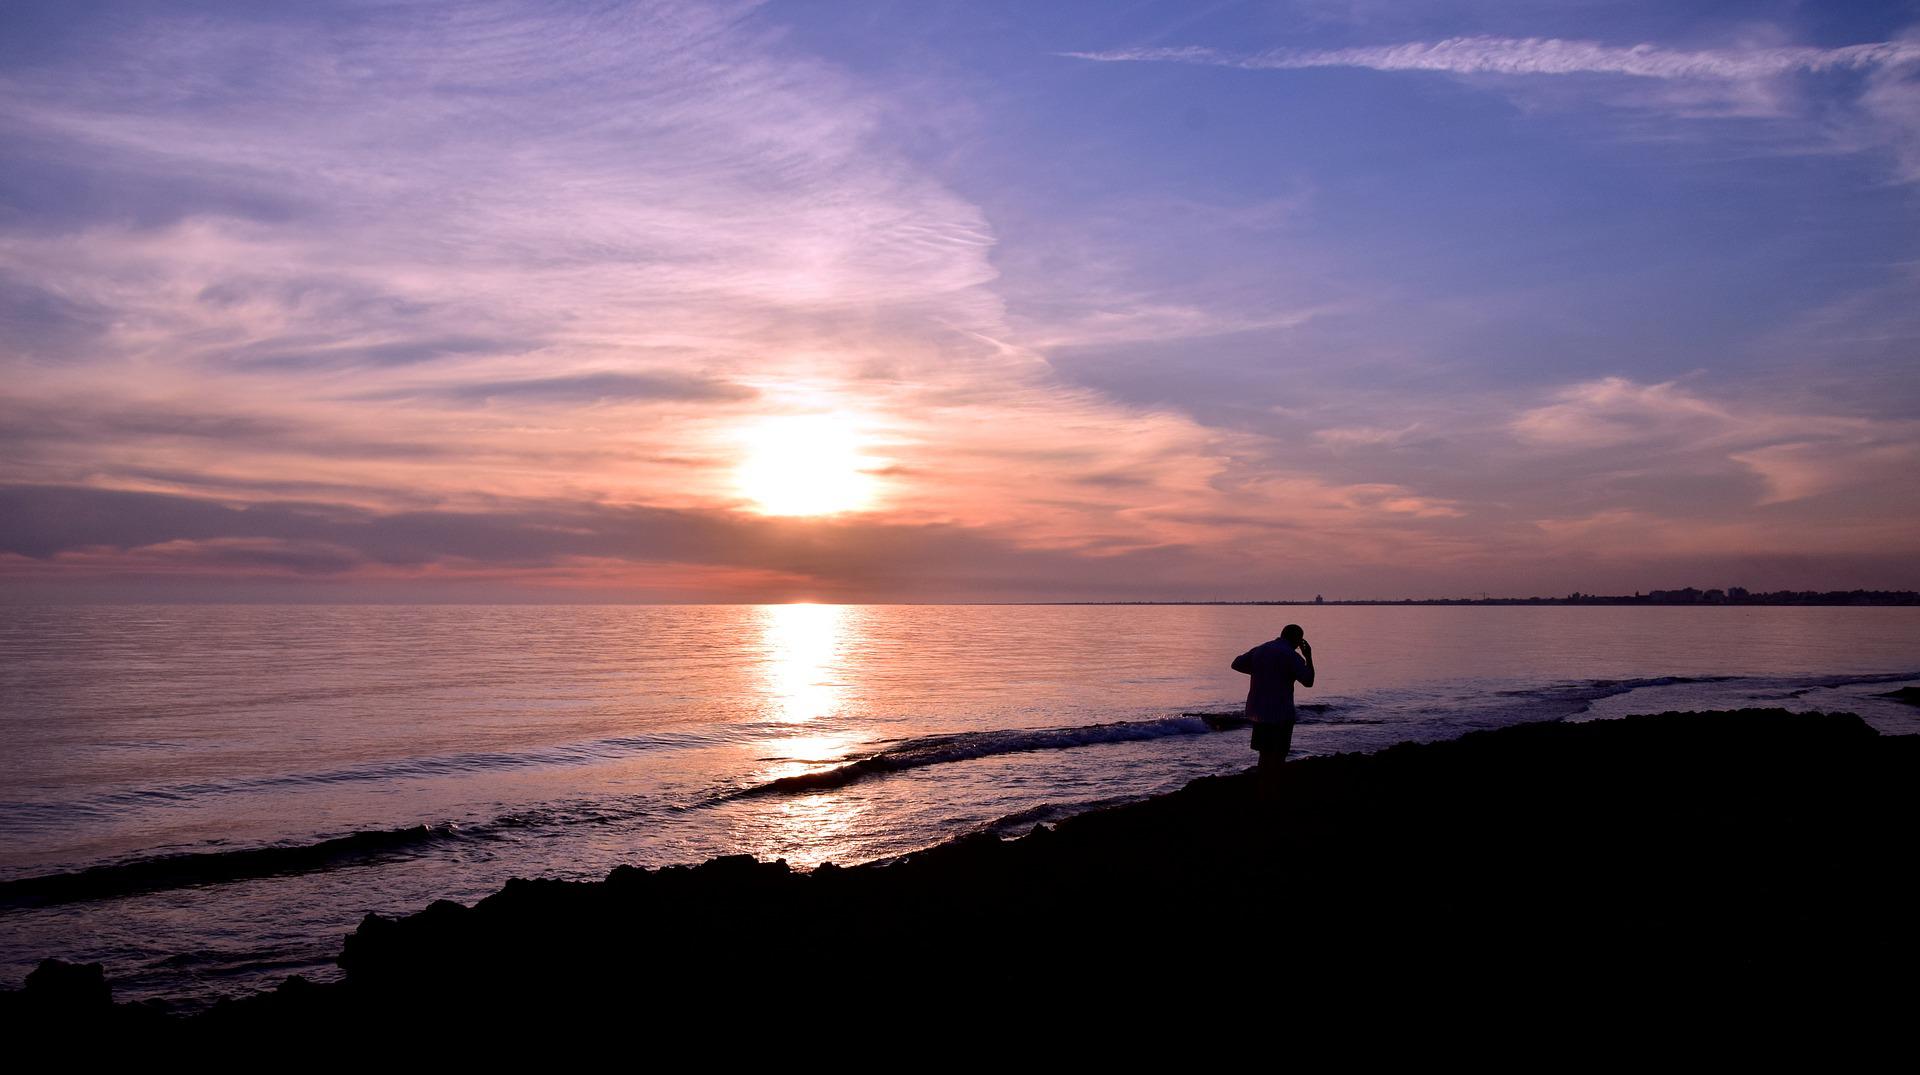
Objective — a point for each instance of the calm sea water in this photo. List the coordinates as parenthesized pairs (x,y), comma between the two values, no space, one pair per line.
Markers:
(564,741)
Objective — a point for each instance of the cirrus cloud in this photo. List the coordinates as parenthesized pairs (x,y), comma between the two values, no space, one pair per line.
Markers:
(1727,82)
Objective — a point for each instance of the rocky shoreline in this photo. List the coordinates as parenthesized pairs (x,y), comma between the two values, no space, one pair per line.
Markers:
(1734,856)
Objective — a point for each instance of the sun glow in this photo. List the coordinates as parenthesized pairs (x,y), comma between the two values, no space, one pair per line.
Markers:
(805,465)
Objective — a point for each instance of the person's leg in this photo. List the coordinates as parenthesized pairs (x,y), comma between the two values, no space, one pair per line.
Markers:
(1273,741)
(1284,740)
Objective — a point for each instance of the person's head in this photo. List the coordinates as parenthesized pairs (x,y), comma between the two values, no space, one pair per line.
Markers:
(1292,635)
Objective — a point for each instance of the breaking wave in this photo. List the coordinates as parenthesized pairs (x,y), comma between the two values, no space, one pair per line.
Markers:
(211,867)
(928,750)
(586,753)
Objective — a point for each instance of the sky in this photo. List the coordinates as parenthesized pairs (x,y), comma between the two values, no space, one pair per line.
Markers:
(929,301)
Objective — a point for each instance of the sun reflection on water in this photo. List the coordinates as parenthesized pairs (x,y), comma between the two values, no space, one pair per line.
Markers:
(802,644)
(804,682)
(810,829)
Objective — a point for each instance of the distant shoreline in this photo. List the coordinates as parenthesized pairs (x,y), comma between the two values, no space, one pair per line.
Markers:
(1689,596)
(1660,598)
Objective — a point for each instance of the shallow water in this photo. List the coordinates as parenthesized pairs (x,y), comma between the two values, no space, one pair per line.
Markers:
(562,741)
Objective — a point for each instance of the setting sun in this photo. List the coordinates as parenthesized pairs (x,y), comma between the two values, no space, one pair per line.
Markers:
(805,465)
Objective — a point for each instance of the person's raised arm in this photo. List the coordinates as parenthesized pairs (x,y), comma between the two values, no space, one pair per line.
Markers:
(1306,662)
(1244,663)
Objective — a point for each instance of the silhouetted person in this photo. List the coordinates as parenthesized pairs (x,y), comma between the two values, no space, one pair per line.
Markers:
(1275,666)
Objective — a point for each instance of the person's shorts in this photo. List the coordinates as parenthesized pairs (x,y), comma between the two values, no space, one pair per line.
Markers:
(1272,735)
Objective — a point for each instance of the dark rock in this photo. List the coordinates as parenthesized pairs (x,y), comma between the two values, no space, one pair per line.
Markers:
(72,987)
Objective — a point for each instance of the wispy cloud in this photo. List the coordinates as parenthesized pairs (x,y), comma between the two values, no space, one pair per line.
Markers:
(604,387)
(1624,426)
(1613,411)
(1340,438)
(1543,56)
(1713,83)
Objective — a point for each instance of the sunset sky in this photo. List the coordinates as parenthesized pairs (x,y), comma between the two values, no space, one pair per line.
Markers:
(956,301)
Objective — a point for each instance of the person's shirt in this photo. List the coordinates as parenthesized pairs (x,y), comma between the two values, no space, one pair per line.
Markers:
(1273,666)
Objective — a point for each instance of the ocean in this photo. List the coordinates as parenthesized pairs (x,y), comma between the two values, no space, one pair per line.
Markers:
(231,788)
